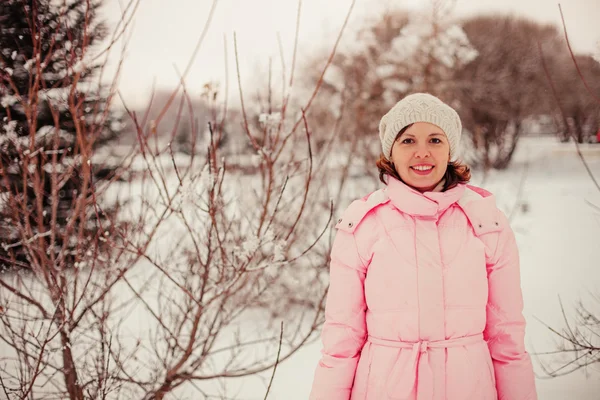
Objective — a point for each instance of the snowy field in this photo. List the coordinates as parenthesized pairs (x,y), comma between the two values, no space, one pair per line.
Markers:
(558,239)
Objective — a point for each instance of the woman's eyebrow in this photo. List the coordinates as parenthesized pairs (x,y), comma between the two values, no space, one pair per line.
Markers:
(406,134)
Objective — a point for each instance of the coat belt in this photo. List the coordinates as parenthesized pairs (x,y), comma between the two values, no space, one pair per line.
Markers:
(402,379)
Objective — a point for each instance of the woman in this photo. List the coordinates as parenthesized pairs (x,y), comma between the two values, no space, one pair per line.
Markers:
(424,300)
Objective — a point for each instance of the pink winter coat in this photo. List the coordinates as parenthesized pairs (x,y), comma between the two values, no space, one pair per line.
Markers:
(424,301)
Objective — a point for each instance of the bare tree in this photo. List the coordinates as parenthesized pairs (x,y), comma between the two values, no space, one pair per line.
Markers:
(580,116)
(504,85)
(204,272)
(54,229)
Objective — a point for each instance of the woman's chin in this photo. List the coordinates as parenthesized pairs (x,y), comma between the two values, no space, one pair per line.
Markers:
(422,185)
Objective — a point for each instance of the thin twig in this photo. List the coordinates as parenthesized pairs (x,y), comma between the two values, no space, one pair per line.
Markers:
(589,89)
(321,78)
(276,362)
(191,61)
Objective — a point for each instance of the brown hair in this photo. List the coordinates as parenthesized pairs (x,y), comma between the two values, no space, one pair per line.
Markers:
(456,172)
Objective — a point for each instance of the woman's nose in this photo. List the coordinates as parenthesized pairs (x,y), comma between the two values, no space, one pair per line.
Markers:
(422,152)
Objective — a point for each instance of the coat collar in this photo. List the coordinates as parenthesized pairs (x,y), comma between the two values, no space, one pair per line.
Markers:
(415,203)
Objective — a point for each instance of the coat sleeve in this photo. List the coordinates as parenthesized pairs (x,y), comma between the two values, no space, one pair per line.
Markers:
(344,330)
(505,327)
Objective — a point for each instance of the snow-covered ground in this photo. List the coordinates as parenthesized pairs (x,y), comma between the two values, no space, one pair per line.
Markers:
(558,239)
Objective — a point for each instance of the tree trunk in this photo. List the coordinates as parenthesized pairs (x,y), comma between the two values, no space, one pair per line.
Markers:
(69,370)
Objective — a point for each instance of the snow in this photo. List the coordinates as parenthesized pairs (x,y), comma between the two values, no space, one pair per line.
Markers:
(9,129)
(79,66)
(396,85)
(335,77)
(449,46)
(270,120)
(249,247)
(8,100)
(407,43)
(28,64)
(385,71)
(359,44)
(446,50)
(279,250)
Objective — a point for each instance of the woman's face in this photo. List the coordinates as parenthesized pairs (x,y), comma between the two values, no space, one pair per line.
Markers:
(420,155)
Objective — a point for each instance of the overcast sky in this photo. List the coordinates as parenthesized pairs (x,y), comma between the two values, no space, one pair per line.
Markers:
(166,32)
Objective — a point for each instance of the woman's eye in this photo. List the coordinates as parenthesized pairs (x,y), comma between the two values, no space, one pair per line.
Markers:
(436,140)
(407,141)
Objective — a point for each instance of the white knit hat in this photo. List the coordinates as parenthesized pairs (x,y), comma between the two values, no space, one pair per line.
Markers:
(420,107)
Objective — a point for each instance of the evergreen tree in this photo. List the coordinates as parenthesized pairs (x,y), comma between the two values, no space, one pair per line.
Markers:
(53,116)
